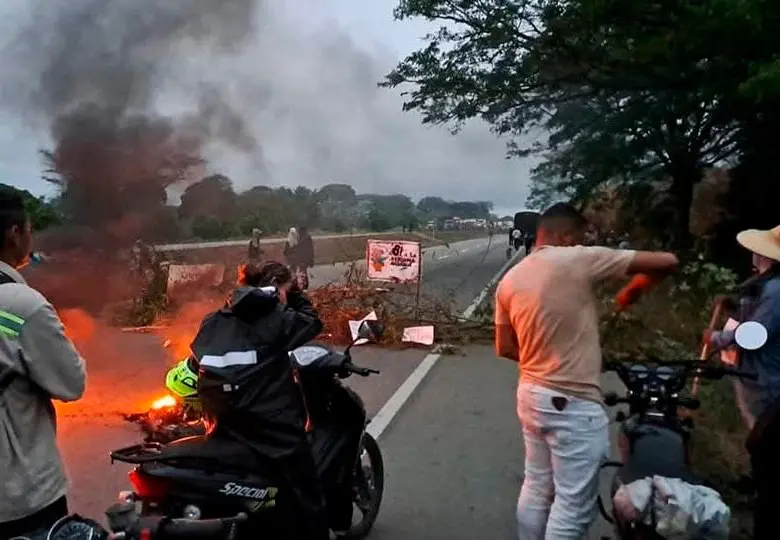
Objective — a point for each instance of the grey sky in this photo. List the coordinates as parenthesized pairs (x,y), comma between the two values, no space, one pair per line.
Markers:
(306,86)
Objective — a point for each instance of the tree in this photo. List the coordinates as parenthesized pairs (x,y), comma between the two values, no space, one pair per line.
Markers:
(337,206)
(434,206)
(211,196)
(112,173)
(628,92)
(210,228)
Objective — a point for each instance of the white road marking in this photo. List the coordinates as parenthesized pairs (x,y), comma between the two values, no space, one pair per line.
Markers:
(382,419)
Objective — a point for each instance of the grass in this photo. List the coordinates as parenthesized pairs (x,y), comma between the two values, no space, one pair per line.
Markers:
(667,324)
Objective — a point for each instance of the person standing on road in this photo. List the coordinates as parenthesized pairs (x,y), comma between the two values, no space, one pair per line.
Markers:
(547,321)
(38,363)
(305,256)
(255,252)
(759,401)
(291,249)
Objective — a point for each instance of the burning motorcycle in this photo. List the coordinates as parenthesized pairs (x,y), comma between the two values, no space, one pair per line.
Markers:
(200,477)
(654,493)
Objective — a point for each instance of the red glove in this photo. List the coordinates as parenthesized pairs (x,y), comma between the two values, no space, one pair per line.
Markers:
(633,290)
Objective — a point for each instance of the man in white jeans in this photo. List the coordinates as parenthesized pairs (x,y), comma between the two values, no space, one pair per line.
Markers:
(547,321)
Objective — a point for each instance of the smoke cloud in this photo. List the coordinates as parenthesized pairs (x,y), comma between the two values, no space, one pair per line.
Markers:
(271,95)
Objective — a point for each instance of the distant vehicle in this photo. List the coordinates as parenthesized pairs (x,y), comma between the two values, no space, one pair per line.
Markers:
(526,223)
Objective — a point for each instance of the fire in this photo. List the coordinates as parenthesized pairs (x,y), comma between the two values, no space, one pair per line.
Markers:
(79,326)
(164,402)
(183,326)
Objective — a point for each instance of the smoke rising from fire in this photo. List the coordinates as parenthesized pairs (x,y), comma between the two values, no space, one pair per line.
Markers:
(99,68)
(298,86)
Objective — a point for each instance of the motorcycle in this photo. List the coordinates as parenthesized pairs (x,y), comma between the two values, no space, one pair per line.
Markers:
(654,439)
(200,477)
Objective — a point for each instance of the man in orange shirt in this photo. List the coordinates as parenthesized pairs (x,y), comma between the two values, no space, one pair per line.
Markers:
(547,321)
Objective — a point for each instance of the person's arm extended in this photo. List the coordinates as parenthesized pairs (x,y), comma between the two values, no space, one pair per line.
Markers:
(647,269)
(505,335)
(52,361)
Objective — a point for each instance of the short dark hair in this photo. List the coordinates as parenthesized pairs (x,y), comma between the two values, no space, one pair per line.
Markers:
(264,274)
(12,212)
(562,218)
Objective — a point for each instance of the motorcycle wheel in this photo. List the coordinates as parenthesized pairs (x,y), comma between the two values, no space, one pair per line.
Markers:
(369,487)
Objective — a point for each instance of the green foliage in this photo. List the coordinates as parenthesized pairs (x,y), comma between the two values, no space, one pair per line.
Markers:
(623,94)
(211,228)
(213,195)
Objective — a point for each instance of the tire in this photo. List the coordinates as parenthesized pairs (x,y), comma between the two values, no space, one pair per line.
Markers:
(374,454)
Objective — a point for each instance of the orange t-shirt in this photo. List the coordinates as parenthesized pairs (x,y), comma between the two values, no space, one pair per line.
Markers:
(549,301)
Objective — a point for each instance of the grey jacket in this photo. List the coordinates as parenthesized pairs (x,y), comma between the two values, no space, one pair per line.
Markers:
(41,364)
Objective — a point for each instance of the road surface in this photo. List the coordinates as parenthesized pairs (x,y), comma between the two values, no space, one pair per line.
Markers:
(126,373)
(454,455)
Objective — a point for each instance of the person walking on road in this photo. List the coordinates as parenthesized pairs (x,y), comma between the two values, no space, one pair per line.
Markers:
(759,401)
(38,363)
(547,321)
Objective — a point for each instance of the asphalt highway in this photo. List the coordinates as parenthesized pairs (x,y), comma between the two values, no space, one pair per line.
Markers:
(126,374)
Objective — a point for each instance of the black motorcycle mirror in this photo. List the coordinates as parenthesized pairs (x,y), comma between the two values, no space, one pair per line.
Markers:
(751,335)
(368,330)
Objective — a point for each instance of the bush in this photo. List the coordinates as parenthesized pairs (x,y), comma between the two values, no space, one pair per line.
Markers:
(210,228)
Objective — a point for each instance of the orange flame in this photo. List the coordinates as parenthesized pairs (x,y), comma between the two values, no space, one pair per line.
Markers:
(164,402)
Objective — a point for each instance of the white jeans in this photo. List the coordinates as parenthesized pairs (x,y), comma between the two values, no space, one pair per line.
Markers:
(564,450)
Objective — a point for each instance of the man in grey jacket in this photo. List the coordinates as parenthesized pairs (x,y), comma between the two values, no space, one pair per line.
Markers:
(38,363)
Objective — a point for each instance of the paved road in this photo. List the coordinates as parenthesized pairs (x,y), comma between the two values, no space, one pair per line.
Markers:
(126,373)
(454,455)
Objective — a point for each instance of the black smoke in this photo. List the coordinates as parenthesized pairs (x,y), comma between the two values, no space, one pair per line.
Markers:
(98,68)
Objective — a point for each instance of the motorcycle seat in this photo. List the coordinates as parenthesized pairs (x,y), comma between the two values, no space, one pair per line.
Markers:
(203,448)
(657,451)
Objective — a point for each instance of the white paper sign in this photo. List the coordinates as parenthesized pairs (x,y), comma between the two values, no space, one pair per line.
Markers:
(418,334)
(354,326)
(393,261)
(729,355)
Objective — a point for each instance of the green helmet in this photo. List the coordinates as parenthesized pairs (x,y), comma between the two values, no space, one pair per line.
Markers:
(182,379)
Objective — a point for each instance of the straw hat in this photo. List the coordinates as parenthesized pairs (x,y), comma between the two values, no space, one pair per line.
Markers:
(766,243)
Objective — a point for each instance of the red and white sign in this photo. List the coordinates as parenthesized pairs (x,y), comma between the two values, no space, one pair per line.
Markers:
(393,261)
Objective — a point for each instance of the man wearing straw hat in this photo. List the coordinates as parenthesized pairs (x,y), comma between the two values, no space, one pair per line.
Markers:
(759,401)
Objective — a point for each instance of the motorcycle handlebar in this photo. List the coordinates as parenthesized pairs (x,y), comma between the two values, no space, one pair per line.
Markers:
(691,367)
(611,399)
(363,372)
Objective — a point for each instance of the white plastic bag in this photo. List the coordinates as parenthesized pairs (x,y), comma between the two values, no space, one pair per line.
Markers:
(681,511)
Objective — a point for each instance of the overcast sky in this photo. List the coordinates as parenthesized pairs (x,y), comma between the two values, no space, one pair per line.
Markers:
(305,86)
